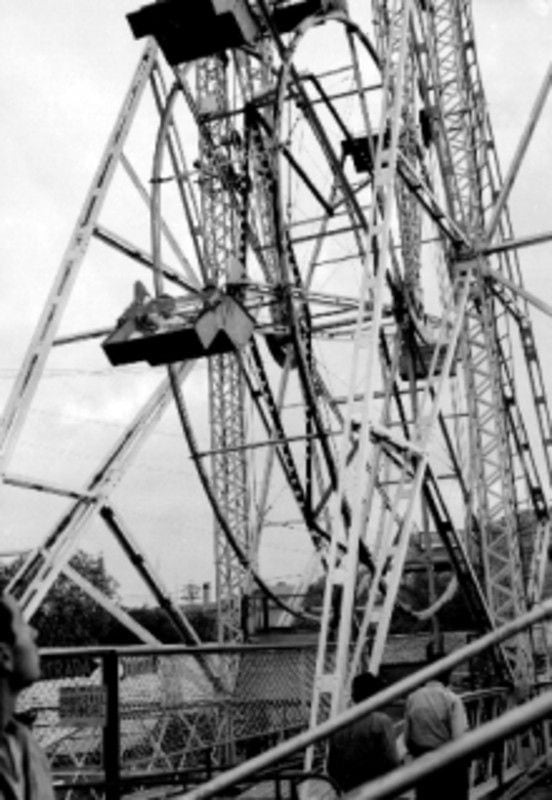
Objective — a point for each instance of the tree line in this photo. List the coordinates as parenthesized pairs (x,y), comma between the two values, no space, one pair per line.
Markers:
(68,617)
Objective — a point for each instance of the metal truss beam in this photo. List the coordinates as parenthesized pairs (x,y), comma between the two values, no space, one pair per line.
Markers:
(33,364)
(496,471)
(40,570)
(331,674)
(226,389)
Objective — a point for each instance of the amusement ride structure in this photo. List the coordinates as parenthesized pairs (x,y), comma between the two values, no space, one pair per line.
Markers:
(325,241)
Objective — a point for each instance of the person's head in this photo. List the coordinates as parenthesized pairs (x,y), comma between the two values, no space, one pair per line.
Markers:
(364,686)
(19,658)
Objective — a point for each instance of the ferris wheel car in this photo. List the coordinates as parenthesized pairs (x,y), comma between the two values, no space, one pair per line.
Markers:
(166,330)
(216,25)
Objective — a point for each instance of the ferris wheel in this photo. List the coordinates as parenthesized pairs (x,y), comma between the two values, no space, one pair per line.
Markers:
(319,256)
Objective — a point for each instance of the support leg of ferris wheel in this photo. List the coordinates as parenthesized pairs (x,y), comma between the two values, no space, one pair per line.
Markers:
(40,570)
(33,364)
(48,561)
(331,675)
(506,588)
(452,72)
(44,565)
(226,388)
(392,555)
(535,580)
(108,605)
(517,159)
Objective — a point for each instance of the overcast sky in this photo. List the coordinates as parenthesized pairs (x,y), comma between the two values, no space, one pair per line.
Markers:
(65,67)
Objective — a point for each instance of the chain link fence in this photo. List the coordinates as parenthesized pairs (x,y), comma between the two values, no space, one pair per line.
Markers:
(111,720)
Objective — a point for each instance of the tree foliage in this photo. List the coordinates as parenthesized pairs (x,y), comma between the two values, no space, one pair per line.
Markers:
(68,617)
(157,622)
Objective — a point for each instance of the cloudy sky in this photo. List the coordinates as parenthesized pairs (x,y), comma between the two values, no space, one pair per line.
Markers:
(65,67)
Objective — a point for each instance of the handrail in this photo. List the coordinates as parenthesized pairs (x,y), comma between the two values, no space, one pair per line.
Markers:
(173,649)
(396,690)
(404,777)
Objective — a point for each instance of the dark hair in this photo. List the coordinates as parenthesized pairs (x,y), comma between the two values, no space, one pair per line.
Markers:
(365,685)
(6,622)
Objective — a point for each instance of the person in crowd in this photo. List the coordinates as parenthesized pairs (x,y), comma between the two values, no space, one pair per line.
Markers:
(24,772)
(366,748)
(434,715)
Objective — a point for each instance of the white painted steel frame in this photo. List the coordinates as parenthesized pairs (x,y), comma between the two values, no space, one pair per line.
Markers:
(34,360)
(332,672)
(226,389)
(384,698)
(37,574)
(450,73)
(58,546)
(493,459)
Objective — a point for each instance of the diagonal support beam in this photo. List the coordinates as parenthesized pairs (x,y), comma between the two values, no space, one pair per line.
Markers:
(108,605)
(37,574)
(546,308)
(516,244)
(145,570)
(35,358)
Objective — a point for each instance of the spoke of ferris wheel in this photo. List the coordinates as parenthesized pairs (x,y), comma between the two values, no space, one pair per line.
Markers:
(429,202)
(171,239)
(262,505)
(171,139)
(132,251)
(281,440)
(418,187)
(319,131)
(302,76)
(521,150)
(517,244)
(271,419)
(546,308)
(81,336)
(25,482)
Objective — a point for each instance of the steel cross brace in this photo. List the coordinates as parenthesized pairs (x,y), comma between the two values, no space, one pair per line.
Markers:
(33,364)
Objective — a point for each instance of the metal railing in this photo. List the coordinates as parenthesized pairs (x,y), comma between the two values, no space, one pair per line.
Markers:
(115,720)
(536,709)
